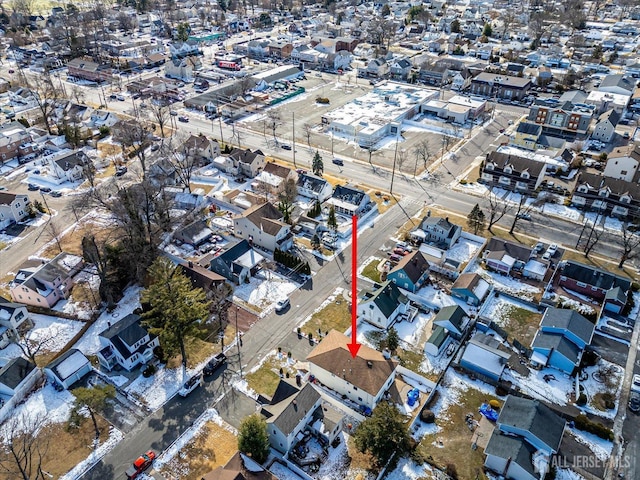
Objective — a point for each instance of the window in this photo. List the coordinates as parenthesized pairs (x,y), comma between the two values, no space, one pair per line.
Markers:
(355,388)
(595,289)
(360,398)
(622,172)
(580,284)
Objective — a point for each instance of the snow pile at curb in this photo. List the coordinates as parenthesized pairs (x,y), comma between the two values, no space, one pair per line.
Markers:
(115,436)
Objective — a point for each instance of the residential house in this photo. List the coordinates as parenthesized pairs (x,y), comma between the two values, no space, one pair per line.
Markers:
(527,434)
(461,80)
(438,339)
(290,411)
(339,60)
(483,356)
(561,339)
(605,127)
(240,467)
(453,319)
(411,273)
(400,69)
(86,69)
(204,148)
(590,281)
(11,137)
(500,86)
(248,163)
(195,233)
(527,136)
(504,256)
(562,119)
(440,72)
(14,207)
(184,49)
(126,343)
(68,165)
(274,178)
(263,225)
(377,68)
(238,263)
(180,68)
(311,186)
(440,231)
(348,200)
(617,84)
(512,172)
(381,306)
(471,288)
(363,379)
(622,163)
(69,368)
(44,285)
(17,377)
(200,276)
(609,196)
(14,320)
(279,49)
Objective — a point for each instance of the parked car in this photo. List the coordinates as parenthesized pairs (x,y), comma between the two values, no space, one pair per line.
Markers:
(635,383)
(33,188)
(173,113)
(553,248)
(538,247)
(120,171)
(395,258)
(141,463)
(56,194)
(183,119)
(213,364)
(286,147)
(400,251)
(120,98)
(524,216)
(190,385)
(337,161)
(45,190)
(634,402)
(282,305)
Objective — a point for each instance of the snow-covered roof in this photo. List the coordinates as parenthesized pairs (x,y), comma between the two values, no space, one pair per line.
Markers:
(535,267)
(71,364)
(476,355)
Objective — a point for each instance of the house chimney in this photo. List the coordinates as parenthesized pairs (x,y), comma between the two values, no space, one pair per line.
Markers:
(108,324)
(190,264)
(369,364)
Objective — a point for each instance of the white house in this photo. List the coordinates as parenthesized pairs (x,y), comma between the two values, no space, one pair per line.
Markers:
(14,317)
(68,368)
(262,225)
(14,207)
(605,127)
(314,187)
(349,200)
(68,165)
(126,343)
(363,379)
(381,307)
(623,163)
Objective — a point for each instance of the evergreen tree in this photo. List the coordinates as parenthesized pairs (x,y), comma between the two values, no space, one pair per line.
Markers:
(177,309)
(487,31)
(317,166)
(253,438)
(393,340)
(383,434)
(455,26)
(386,11)
(476,220)
(332,222)
(94,400)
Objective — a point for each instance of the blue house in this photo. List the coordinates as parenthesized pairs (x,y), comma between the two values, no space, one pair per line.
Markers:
(411,273)
(561,339)
(527,433)
(471,288)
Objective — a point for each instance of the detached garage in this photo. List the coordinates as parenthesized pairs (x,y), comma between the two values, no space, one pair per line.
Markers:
(68,368)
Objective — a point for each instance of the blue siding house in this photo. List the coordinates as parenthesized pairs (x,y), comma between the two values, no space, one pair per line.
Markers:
(561,339)
(411,273)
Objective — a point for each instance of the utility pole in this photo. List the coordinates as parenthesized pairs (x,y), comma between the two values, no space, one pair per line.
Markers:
(219,121)
(293,124)
(395,156)
(238,342)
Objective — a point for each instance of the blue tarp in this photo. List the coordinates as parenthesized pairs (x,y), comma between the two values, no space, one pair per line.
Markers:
(487,411)
(413,396)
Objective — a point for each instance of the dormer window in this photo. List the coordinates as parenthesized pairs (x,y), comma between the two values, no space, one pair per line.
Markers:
(490,166)
(625,199)
(583,189)
(525,174)
(603,193)
(508,170)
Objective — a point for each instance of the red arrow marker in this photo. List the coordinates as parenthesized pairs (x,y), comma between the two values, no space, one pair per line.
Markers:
(354,346)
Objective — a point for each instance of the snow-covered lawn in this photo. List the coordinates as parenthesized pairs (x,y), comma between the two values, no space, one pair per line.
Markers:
(264,290)
(601,448)
(562,211)
(434,365)
(505,283)
(560,387)
(499,308)
(580,307)
(45,404)
(89,344)
(53,332)
(88,280)
(408,470)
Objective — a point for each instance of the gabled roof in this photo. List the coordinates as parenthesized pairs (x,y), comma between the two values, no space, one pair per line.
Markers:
(499,247)
(67,364)
(527,128)
(277,170)
(240,467)
(9,306)
(15,371)
(311,182)
(440,222)
(369,370)
(593,276)
(287,414)
(235,251)
(611,116)
(467,281)
(387,298)
(413,265)
(616,294)
(265,216)
(618,80)
(348,194)
(570,320)
(515,449)
(129,330)
(534,417)
(556,342)
(245,156)
(438,337)
(7,198)
(453,314)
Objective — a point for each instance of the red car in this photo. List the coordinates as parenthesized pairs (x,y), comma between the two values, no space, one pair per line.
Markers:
(143,462)
(400,251)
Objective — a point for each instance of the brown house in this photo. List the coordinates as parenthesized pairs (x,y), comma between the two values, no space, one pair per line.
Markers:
(240,467)
(280,49)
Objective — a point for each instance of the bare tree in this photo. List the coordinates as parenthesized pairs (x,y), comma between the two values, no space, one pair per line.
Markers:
(45,94)
(523,208)
(629,241)
(218,297)
(32,347)
(497,208)
(274,121)
(308,129)
(22,452)
(54,232)
(596,235)
(136,135)
(182,155)
(401,158)
(160,115)
(422,152)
